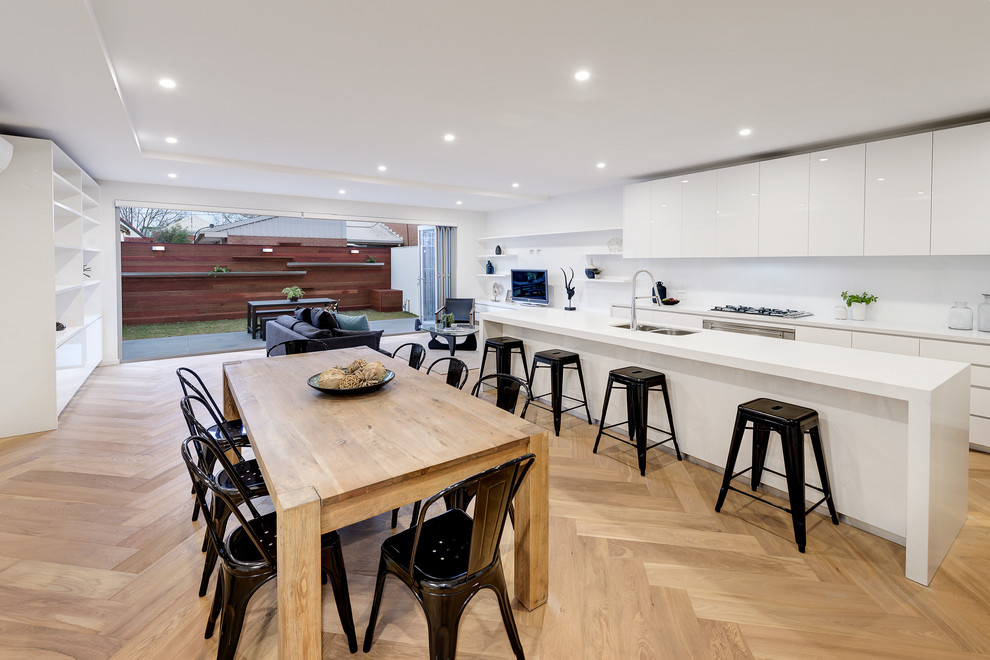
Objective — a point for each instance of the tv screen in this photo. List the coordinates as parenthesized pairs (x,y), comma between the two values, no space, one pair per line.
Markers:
(530,287)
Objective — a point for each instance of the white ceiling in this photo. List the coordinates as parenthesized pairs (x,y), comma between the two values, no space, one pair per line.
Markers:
(305,97)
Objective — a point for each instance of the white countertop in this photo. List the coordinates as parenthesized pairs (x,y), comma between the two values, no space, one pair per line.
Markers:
(933,329)
(882,374)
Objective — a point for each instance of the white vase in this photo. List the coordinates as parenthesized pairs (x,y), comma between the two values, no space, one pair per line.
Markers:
(858,311)
(960,317)
(841,312)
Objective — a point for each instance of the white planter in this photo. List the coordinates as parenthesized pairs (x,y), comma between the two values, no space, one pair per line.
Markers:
(858,311)
(841,312)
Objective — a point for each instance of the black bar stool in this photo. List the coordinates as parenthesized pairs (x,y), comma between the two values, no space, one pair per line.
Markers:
(504,347)
(556,361)
(638,383)
(791,423)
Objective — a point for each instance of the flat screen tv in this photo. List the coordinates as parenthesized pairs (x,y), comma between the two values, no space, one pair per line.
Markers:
(529,287)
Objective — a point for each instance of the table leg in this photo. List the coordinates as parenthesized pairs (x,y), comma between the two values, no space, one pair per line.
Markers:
(532,528)
(450,343)
(298,582)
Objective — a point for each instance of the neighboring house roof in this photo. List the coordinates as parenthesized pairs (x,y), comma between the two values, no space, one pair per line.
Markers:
(359,233)
(127,229)
(371,233)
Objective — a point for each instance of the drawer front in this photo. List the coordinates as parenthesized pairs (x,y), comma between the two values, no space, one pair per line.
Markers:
(979,402)
(979,432)
(951,350)
(824,336)
(980,376)
(886,343)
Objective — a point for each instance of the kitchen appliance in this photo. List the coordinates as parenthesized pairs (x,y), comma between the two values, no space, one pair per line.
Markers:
(748,329)
(762,311)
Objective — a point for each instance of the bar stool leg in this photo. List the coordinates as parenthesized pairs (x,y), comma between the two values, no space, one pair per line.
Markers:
(793,448)
(730,461)
(670,419)
(761,439)
(816,444)
(484,356)
(601,422)
(556,393)
(532,377)
(584,395)
(638,396)
(522,353)
(503,360)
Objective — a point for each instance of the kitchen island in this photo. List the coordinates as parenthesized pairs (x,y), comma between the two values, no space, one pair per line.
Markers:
(895,428)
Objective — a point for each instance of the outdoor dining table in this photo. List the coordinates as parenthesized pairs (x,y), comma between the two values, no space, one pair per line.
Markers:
(333,460)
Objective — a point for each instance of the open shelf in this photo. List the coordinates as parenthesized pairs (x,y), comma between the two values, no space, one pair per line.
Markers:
(492,275)
(610,280)
(240,273)
(494,256)
(332,264)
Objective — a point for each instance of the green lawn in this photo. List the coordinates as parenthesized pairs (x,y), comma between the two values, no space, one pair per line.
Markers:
(153,330)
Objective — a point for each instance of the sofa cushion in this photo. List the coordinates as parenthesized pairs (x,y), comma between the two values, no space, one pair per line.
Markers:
(349,338)
(286,320)
(304,314)
(310,331)
(323,319)
(353,322)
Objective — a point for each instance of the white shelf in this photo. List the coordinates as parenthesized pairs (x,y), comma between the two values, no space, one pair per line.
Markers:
(611,280)
(494,256)
(493,275)
(91,282)
(551,234)
(603,254)
(62,288)
(62,207)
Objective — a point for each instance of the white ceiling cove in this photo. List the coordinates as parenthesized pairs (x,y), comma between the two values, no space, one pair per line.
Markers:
(304,97)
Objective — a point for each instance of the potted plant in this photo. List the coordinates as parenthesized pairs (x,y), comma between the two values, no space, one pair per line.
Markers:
(857,303)
(216,270)
(370,259)
(447,320)
(293,293)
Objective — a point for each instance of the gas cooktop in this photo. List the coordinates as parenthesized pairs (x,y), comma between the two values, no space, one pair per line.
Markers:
(762,311)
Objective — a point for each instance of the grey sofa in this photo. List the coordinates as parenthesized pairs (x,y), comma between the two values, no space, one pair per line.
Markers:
(300,326)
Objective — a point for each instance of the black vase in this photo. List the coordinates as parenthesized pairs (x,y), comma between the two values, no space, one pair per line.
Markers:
(498,249)
(660,291)
(489,268)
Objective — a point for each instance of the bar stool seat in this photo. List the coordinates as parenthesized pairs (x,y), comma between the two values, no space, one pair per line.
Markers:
(557,360)
(504,347)
(638,382)
(791,422)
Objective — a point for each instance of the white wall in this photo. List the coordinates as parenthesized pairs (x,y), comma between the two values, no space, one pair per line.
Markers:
(468,225)
(909,288)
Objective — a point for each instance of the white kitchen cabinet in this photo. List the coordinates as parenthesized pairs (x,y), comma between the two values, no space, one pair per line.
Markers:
(979,402)
(784,207)
(836,197)
(886,343)
(737,211)
(828,336)
(979,376)
(960,180)
(898,196)
(698,214)
(956,351)
(979,431)
(665,224)
(636,218)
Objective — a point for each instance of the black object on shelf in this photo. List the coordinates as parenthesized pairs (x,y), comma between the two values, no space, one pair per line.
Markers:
(659,292)
(498,249)
(489,268)
(568,286)
(59,326)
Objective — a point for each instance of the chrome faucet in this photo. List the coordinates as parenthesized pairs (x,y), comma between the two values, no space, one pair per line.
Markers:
(633,325)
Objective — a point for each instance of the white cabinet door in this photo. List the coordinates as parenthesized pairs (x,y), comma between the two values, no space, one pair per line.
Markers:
(886,343)
(960,180)
(836,199)
(698,214)
(738,211)
(823,336)
(784,207)
(898,196)
(666,222)
(636,203)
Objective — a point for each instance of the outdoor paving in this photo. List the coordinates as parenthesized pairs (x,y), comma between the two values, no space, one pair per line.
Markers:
(133,350)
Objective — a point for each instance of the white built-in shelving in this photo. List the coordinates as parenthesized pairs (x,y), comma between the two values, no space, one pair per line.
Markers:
(552,234)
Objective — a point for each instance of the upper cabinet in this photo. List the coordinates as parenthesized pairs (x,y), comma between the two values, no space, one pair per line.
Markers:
(665,220)
(784,207)
(737,212)
(898,196)
(836,202)
(636,217)
(698,208)
(960,180)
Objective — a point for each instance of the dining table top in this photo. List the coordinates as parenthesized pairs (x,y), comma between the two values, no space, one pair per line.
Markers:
(344,445)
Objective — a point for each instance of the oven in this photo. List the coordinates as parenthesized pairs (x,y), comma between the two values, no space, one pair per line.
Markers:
(748,329)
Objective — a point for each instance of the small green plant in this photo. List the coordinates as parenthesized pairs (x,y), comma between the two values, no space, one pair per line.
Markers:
(370,259)
(219,269)
(293,293)
(865,298)
(447,320)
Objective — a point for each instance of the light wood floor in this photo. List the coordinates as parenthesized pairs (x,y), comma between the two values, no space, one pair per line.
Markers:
(99,559)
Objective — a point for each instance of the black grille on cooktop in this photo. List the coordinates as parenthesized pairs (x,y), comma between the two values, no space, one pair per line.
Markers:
(762,311)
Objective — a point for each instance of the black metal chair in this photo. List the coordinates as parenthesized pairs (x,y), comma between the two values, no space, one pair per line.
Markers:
(233,429)
(296,346)
(247,473)
(417,354)
(448,559)
(506,391)
(248,555)
(457,371)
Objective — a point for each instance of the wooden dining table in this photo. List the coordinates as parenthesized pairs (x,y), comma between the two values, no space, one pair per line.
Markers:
(333,460)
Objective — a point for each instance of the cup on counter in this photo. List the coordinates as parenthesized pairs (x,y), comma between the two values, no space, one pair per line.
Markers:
(841,312)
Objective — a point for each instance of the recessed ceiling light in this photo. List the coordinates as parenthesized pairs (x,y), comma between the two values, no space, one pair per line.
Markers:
(745,131)
(382,168)
(171,140)
(515,185)
(880,179)
(459,202)
(822,160)
(600,166)
(582,75)
(449,137)
(684,180)
(921,192)
(341,192)
(167,83)
(172,175)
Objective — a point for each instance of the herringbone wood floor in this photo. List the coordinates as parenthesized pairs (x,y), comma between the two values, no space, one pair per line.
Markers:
(99,559)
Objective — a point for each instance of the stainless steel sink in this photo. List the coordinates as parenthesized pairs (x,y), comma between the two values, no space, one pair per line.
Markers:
(657,329)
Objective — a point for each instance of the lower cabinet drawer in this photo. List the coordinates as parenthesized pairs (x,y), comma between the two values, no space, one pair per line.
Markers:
(979,432)
(957,351)
(886,343)
(979,376)
(824,336)
(979,401)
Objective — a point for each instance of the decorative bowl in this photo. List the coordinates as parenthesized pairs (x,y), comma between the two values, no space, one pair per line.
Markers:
(670,301)
(315,379)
